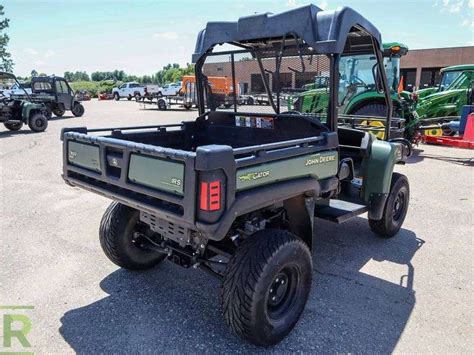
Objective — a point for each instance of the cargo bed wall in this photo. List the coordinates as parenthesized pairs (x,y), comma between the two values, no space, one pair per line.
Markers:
(230,129)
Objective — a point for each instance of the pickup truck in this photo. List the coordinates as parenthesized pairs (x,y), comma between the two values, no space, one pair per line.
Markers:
(169,89)
(17,89)
(128,91)
(236,193)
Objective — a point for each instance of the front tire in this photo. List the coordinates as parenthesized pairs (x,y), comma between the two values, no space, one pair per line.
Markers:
(13,126)
(116,234)
(395,209)
(266,286)
(59,112)
(38,122)
(116,96)
(78,110)
(161,104)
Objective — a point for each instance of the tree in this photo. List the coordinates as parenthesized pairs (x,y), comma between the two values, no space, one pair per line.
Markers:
(77,76)
(34,73)
(172,73)
(6,62)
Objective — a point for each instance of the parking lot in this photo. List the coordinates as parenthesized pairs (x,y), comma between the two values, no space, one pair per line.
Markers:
(412,293)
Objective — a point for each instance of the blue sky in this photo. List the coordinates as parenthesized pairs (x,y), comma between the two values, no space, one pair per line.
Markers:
(140,37)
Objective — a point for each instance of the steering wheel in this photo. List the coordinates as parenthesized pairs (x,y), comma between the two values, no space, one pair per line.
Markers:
(355,80)
(3,97)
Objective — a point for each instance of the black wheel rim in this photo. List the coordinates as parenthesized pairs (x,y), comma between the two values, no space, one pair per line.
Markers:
(39,123)
(282,292)
(399,206)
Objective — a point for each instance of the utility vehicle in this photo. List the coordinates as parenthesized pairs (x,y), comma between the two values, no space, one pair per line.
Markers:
(236,193)
(14,112)
(56,94)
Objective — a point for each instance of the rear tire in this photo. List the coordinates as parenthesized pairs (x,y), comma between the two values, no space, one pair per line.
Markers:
(78,110)
(13,126)
(266,286)
(116,234)
(395,209)
(38,122)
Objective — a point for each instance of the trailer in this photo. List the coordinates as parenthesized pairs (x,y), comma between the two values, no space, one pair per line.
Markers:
(186,98)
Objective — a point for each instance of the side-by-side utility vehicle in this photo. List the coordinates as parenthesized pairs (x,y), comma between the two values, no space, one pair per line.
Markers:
(56,94)
(14,112)
(236,193)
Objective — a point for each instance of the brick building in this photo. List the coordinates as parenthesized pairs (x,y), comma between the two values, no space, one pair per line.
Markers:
(420,67)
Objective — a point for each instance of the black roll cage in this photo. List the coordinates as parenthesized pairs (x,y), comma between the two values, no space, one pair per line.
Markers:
(334,58)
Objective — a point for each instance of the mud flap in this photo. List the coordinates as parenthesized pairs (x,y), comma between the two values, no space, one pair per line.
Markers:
(300,211)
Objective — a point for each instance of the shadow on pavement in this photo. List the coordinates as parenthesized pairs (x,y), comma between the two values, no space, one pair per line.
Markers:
(419,155)
(182,109)
(58,118)
(178,310)
(23,131)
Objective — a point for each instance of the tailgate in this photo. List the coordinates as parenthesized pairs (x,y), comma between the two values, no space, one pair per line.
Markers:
(143,176)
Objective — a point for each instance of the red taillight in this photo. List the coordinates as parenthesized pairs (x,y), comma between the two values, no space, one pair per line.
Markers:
(210,196)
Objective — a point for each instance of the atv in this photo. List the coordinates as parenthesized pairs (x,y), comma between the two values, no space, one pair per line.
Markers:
(14,112)
(237,192)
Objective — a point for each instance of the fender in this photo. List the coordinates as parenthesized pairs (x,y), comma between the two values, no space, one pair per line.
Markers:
(28,108)
(378,169)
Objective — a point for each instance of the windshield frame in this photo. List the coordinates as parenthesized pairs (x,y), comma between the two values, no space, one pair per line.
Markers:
(445,75)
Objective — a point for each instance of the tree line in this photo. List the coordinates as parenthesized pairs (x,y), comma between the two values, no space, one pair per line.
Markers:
(170,73)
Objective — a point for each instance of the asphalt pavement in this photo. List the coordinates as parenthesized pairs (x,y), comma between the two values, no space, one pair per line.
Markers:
(409,294)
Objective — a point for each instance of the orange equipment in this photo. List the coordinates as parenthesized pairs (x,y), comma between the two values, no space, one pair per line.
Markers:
(220,85)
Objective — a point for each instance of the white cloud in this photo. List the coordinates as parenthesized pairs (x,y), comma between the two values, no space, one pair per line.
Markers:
(30,51)
(471,4)
(452,7)
(166,35)
(292,3)
(49,53)
(456,7)
(468,23)
(323,4)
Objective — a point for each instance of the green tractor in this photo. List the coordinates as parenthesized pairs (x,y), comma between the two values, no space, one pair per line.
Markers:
(359,94)
(447,99)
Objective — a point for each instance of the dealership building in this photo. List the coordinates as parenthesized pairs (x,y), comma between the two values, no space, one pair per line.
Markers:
(420,67)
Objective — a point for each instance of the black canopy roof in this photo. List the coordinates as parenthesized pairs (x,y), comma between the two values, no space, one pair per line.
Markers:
(7,76)
(325,32)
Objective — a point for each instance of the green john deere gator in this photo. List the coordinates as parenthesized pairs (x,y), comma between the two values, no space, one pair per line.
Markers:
(236,192)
